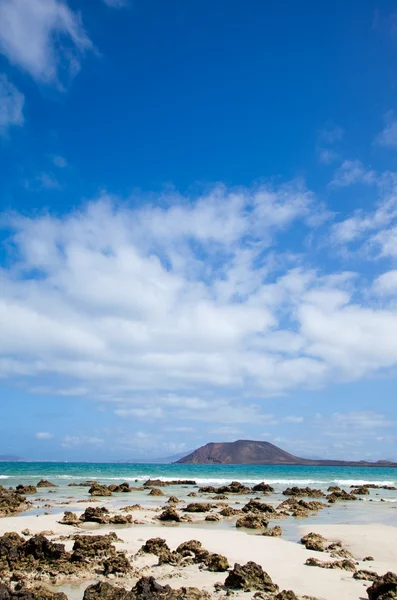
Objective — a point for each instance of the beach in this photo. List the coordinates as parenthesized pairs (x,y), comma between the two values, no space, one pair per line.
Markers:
(360,525)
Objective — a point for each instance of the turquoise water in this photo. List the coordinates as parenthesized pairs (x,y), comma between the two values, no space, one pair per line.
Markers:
(204,474)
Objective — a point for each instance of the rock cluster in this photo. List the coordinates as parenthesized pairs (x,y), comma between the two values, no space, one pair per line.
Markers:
(234,488)
(38,593)
(253,506)
(384,587)
(191,552)
(11,502)
(252,521)
(303,492)
(40,558)
(198,507)
(44,483)
(161,483)
(95,514)
(145,589)
(250,577)
(345,564)
(170,514)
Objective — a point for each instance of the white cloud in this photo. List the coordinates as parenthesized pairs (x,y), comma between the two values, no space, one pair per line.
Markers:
(44,435)
(352,172)
(327,156)
(181,312)
(43,181)
(326,140)
(388,136)
(59,161)
(70,441)
(294,419)
(11,105)
(386,284)
(116,3)
(375,227)
(331,134)
(43,37)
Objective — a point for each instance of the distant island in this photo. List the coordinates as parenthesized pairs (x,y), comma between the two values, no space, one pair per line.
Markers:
(10,458)
(249,452)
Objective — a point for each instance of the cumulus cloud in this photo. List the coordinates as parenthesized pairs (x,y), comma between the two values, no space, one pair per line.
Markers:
(352,172)
(186,311)
(388,136)
(45,38)
(375,229)
(326,140)
(11,105)
(59,161)
(44,435)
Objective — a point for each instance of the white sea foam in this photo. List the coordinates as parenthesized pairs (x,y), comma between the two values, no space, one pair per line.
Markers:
(4,477)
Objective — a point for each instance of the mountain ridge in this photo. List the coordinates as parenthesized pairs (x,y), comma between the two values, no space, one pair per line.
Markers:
(251,452)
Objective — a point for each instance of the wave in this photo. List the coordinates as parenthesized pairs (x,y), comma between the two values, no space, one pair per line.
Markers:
(207,480)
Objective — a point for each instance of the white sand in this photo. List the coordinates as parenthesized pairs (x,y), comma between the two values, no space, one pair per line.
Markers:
(283,560)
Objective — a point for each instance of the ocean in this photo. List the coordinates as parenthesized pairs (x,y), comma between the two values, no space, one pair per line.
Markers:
(278,476)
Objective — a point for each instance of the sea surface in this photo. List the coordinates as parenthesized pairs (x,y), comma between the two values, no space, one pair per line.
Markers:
(278,476)
(380,506)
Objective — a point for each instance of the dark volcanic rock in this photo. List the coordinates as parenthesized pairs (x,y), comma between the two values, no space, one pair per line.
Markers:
(44,483)
(160,483)
(11,502)
(229,511)
(121,488)
(105,591)
(70,518)
(40,548)
(212,518)
(303,492)
(273,531)
(361,490)
(345,564)
(145,589)
(118,564)
(365,575)
(156,492)
(120,519)
(384,587)
(217,563)
(95,514)
(89,546)
(155,546)
(250,577)
(195,507)
(26,489)
(170,514)
(314,541)
(38,593)
(286,595)
(340,495)
(263,487)
(252,521)
(173,500)
(253,506)
(99,490)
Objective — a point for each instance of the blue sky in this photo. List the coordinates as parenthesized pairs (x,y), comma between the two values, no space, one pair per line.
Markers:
(198,227)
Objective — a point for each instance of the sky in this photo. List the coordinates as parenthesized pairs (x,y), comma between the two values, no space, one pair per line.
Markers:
(198,227)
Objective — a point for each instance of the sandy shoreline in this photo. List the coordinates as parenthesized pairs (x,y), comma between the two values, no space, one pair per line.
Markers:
(283,559)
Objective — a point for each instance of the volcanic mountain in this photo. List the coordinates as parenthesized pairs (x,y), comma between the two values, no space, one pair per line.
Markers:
(248,452)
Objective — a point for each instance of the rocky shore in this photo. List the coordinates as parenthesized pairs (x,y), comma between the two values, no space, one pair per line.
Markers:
(216,542)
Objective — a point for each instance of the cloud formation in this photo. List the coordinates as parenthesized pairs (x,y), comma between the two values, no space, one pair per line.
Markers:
(11,105)
(189,309)
(45,38)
